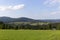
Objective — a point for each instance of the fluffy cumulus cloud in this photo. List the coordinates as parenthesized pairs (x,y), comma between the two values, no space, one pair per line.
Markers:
(16,7)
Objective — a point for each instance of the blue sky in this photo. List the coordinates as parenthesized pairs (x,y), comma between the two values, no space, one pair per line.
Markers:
(36,9)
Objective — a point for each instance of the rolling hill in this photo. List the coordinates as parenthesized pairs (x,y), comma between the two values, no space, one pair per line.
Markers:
(24,19)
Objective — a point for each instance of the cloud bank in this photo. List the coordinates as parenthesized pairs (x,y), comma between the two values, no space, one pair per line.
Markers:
(16,7)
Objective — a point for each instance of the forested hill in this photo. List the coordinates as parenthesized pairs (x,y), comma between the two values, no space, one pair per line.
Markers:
(24,19)
(21,19)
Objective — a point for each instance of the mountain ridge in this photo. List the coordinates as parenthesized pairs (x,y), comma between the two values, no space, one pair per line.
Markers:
(21,19)
(25,19)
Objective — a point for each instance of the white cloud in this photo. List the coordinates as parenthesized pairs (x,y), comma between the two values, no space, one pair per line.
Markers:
(51,2)
(16,7)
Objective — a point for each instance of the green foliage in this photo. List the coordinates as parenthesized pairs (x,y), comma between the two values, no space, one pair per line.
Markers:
(31,26)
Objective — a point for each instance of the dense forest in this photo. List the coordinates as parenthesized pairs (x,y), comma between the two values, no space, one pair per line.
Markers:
(31,26)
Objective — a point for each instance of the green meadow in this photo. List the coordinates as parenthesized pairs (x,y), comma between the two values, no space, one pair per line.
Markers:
(29,35)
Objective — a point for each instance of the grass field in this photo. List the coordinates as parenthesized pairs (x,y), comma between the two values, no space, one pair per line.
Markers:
(29,35)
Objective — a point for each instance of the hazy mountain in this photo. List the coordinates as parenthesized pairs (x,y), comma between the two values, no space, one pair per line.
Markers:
(24,19)
(6,19)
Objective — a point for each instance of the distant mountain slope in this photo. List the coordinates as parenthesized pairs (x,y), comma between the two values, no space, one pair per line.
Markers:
(6,19)
(24,19)
(52,20)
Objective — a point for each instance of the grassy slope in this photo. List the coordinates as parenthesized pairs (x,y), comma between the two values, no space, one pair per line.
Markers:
(29,35)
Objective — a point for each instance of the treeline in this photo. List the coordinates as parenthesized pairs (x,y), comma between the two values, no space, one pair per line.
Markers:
(50,26)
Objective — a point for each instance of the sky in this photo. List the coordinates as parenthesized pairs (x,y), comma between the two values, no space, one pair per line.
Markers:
(36,9)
